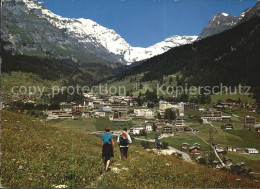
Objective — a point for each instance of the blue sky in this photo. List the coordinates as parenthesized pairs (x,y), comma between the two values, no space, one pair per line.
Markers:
(146,22)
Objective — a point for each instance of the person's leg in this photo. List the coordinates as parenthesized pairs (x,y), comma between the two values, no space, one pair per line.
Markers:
(122,153)
(107,163)
(107,166)
(126,150)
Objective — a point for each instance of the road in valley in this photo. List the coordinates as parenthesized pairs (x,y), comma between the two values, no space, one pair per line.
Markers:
(185,156)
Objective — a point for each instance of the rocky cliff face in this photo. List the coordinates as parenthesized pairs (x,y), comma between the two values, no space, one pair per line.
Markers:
(30,28)
(219,23)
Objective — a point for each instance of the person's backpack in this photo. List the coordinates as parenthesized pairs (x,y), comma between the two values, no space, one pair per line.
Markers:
(123,140)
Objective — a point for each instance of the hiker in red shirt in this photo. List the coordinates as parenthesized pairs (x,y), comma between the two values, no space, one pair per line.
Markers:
(124,139)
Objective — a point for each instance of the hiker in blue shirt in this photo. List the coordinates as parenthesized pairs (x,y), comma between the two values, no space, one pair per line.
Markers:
(124,139)
(108,147)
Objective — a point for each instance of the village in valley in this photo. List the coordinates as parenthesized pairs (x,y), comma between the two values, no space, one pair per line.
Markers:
(222,136)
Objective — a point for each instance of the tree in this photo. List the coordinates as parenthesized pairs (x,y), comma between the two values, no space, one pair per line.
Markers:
(202,161)
(170,80)
(165,145)
(154,127)
(143,133)
(170,114)
(159,116)
(177,78)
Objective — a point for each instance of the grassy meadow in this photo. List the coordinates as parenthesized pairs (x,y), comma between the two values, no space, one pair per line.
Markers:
(38,154)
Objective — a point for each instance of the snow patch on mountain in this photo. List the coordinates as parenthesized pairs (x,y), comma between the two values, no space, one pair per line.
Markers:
(225,14)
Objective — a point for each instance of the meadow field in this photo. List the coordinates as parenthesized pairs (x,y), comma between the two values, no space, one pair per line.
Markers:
(39,154)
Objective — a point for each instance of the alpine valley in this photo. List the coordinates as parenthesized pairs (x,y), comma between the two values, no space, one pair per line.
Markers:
(51,135)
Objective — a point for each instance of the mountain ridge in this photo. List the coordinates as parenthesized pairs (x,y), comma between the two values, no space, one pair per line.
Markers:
(91,36)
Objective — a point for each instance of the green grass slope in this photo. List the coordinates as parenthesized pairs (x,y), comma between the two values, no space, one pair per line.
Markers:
(36,154)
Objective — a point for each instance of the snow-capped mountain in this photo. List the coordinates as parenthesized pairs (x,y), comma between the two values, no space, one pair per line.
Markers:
(219,23)
(65,33)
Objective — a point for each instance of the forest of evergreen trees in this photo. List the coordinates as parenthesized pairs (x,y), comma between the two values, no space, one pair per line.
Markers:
(231,58)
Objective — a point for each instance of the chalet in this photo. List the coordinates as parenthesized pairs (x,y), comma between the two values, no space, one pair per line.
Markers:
(77,114)
(217,164)
(195,130)
(79,108)
(119,108)
(179,129)
(257,128)
(249,120)
(252,151)
(190,106)
(226,118)
(228,126)
(238,149)
(167,130)
(136,130)
(100,114)
(107,109)
(148,127)
(194,150)
(250,109)
(229,148)
(231,101)
(66,106)
(160,124)
(87,114)
(222,105)
(193,117)
(143,112)
(65,116)
(88,103)
(227,161)
(179,123)
(185,146)
(240,166)
(218,148)
(212,115)
(5,105)
(97,104)
(163,105)
(58,115)
(196,145)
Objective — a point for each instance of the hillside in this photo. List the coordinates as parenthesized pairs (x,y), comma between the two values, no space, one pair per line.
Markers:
(53,69)
(37,154)
(230,57)
(83,39)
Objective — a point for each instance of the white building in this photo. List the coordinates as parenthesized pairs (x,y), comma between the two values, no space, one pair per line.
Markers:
(136,130)
(252,151)
(178,108)
(143,112)
(100,114)
(106,109)
(163,105)
(148,128)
